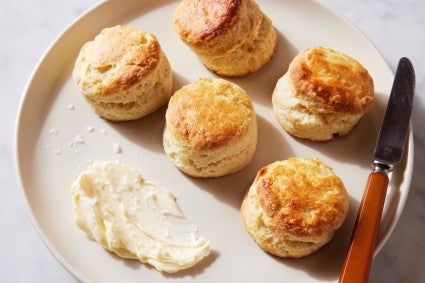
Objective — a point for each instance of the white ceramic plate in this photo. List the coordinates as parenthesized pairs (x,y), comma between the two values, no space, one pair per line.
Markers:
(49,158)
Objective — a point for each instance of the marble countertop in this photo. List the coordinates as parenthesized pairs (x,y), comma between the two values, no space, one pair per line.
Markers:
(27,29)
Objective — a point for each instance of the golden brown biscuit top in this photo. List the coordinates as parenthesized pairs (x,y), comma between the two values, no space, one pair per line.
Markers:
(332,81)
(117,58)
(302,196)
(203,20)
(209,113)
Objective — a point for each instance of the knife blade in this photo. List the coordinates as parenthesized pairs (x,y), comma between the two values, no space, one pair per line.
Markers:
(393,133)
(388,153)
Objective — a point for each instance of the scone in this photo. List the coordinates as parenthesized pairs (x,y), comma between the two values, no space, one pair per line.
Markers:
(294,207)
(232,38)
(123,73)
(323,94)
(211,128)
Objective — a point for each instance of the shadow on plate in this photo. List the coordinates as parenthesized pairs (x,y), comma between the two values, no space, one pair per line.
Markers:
(260,85)
(147,131)
(271,146)
(193,271)
(358,146)
(196,270)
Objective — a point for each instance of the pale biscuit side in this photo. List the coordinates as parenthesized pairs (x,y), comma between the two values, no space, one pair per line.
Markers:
(211,128)
(123,73)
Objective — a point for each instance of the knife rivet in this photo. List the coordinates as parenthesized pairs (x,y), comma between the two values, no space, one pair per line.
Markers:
(379,167)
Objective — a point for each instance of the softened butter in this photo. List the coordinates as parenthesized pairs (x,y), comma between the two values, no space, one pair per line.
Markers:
(135,219)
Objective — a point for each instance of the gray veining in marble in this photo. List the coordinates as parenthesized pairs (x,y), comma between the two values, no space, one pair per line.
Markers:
(27,29)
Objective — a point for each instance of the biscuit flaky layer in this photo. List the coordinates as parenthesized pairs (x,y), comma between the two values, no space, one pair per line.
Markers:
(332,81)
(294,206)
(209,113)
(231,37)
(123,73)
(323,94)
(211,128)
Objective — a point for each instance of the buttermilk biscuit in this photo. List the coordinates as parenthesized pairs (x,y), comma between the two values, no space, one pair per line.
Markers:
(231,37)
(323,94)
(294,207)
(123,73)
(211,128)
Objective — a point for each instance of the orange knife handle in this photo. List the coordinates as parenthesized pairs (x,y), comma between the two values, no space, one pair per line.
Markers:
(360,253)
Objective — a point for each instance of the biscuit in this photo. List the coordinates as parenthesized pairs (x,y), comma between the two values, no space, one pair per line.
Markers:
(232,38)
(294,207)
(123,73)
(324,93)
(211,128)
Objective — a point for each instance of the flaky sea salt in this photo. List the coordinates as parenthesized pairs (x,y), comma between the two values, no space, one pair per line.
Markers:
(58,152)
(117,148)
(90,129)
(71,106)
(103,131)
(78,139)
(53,131)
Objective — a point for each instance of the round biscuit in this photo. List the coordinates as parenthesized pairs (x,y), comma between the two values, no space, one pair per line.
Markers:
(211,128)
(123,73)
(232,38)
(332,81)
(323,94)
(294,206)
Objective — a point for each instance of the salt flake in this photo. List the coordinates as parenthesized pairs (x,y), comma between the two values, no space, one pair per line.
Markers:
(78,139)
(117,148)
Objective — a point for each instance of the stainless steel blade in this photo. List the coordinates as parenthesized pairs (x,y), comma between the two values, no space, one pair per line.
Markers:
(392,136)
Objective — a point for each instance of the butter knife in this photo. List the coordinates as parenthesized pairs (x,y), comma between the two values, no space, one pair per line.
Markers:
(388,152)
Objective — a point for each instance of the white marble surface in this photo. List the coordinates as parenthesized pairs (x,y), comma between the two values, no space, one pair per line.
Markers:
(27,29)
